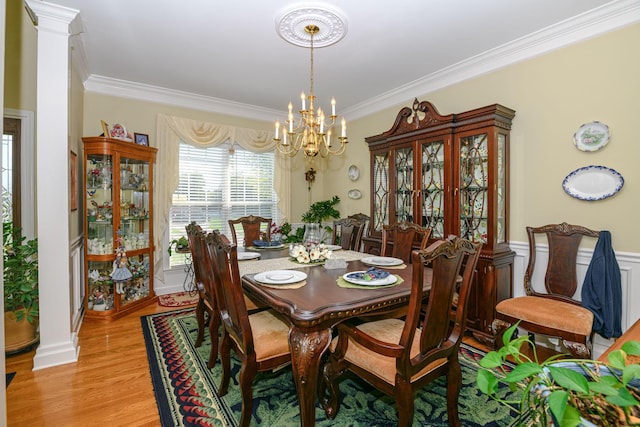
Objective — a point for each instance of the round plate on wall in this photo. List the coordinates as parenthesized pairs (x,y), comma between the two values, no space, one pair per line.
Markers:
(354,172)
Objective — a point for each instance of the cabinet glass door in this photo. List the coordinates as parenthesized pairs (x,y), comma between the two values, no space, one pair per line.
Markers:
(403,164)
(134,204)
(134,227)
(433,183)
(380,193)
(99,204)
(473,181)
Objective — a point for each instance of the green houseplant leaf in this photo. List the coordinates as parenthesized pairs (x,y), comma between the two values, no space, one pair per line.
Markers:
(20,258)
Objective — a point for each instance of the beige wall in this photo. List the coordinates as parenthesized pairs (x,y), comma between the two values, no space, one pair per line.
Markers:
(20,59)
(553,95)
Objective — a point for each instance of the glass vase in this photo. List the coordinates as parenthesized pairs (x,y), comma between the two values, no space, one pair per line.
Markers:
(311,235)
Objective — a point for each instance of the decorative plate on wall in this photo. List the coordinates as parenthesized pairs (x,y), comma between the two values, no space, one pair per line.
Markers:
(591,136)
(593,183)
(354,194)
(354,172)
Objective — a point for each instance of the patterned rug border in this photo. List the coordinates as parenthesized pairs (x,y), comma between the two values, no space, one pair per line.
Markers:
(204,407)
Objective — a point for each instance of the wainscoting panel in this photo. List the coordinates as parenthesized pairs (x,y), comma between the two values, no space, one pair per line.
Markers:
(628,263)
(77,283)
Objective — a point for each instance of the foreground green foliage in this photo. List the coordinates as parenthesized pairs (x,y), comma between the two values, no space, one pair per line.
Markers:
(568,389)
(20,273)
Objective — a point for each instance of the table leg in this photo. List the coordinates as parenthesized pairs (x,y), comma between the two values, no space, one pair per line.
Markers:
(306,351)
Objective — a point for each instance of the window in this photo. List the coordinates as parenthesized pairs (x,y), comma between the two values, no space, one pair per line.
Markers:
(218,184)
(11,171)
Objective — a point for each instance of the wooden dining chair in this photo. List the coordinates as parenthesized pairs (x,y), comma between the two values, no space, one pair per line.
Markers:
(347,232)
(253,228)
(402,236)
(207,313)
(398,356)
(552,308)
(206,297)
(259,340)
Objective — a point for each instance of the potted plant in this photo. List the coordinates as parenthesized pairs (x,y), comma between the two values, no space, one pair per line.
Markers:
(319,212)
(180,244)
(20,288)
(567,392)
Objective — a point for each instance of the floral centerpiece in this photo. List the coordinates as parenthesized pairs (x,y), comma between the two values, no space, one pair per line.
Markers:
(311,255)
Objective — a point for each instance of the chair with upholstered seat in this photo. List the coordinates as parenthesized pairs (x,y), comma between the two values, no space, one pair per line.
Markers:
(207,306)
(347,232)
(259,340)
(551,308)
(398,356)
(402,236)
(253,227)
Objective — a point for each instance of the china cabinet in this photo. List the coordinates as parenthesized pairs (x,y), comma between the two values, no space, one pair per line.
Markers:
(118,186)
(449,173)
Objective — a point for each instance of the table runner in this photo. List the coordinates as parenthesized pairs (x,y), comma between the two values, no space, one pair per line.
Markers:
(258,266)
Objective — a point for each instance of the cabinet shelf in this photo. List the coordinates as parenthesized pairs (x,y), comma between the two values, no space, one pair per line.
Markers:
(119,186)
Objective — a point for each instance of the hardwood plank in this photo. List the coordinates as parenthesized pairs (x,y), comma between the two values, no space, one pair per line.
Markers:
(110,384)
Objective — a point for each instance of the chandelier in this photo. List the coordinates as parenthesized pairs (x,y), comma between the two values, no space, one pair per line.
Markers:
(315,132)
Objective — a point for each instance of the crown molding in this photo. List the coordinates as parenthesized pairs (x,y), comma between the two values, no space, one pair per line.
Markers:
(611,16)
(133,90)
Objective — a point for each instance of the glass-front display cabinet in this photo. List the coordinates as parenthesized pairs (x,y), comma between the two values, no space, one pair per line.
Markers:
(449,173)
(118,184)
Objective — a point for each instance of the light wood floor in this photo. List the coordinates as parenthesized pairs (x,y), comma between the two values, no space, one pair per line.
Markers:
(110,385)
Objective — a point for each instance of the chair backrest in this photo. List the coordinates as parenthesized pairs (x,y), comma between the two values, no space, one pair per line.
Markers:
(196,237)
(403,235)
(561,279)
(223,264)
(449,260)
(252,227)
(366,219)
(347,232)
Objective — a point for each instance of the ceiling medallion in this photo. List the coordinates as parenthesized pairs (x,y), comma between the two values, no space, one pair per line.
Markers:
(292,23)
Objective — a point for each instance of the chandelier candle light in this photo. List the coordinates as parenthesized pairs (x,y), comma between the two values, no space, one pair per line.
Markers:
(313,133)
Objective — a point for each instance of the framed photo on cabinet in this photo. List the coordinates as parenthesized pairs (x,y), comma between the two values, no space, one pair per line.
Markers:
(141,139)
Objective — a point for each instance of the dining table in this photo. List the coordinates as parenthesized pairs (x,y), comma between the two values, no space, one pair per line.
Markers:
(314,307)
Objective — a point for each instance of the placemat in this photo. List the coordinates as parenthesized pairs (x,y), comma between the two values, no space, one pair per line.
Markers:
(344,284)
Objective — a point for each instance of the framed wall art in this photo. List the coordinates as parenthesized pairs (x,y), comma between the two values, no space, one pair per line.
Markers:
(73,180)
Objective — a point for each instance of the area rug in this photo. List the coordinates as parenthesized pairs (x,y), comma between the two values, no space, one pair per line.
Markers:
(186,391)
(178,299)
(9,377)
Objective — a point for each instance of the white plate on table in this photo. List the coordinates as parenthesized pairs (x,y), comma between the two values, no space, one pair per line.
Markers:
(331,247)
(242,256)
(381,261)
(389,280)
(280,277)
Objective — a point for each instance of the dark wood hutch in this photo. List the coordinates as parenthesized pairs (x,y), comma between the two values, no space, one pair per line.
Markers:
(449,173)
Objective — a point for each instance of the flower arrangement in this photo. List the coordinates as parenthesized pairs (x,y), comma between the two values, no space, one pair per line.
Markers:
(313,254)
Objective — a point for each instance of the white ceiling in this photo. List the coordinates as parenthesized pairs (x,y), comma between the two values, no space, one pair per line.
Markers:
(226,56)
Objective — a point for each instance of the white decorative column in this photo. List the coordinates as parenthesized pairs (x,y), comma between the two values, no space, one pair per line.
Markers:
(58,345)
